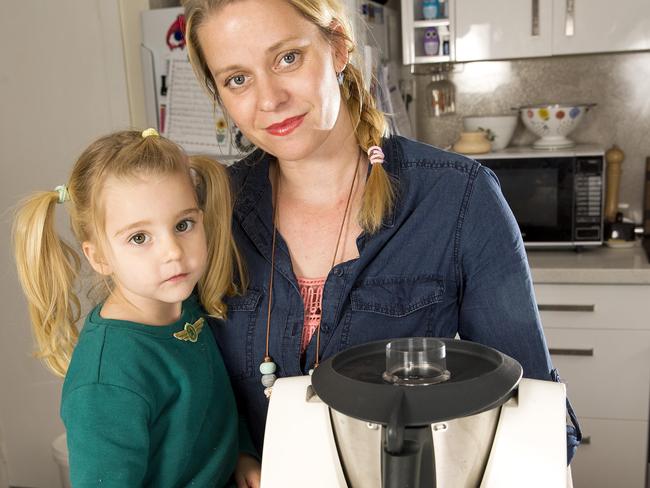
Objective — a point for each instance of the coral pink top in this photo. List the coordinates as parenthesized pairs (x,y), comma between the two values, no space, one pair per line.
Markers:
(311,291)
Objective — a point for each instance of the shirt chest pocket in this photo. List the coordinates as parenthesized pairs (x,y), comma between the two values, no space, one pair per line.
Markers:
(396,296)
(388,307)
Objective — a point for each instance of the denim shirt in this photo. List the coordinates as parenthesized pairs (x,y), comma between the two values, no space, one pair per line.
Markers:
(448,260)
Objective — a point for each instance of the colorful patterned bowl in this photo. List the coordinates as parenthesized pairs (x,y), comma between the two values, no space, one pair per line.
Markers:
(553,122)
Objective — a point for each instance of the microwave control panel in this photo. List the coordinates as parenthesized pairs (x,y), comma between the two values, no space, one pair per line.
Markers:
(589,186)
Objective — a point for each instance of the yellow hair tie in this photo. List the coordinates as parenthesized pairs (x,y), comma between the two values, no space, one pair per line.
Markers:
(150,132)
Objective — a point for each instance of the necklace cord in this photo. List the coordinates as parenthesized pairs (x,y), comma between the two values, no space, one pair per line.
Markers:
(268,315)
(267,357)
(336,250)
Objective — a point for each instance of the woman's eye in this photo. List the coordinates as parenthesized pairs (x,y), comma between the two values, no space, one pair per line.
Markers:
(290,58)
(236,81)
(184,225)
(138,239)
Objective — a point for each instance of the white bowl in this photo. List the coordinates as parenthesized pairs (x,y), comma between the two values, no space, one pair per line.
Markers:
(498,128)
(553,122)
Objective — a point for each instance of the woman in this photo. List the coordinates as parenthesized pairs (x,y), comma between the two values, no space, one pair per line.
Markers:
(341,251)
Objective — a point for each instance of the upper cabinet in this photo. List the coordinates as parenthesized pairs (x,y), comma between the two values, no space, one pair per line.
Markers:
(427,31)
(507,29)
(596,26)
(503,29)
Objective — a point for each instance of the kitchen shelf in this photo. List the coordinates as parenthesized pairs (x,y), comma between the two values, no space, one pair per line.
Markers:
(431,59)
(419,24)
(413,32)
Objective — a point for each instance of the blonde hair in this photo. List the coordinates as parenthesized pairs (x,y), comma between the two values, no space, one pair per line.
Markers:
(369,123)
(48,268)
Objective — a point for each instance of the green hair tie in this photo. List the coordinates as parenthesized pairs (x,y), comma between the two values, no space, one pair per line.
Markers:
(64,195)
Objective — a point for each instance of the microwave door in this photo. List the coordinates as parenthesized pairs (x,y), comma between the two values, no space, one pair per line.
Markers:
(539,192)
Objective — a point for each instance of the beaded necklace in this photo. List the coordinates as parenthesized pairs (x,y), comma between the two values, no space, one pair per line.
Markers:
(268,367)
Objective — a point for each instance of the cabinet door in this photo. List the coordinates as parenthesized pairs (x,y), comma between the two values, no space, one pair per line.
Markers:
(502,29)
(621,307)
(592,26)
(607,372)
(613,454)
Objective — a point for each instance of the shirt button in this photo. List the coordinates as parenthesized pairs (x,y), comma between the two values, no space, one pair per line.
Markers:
(338,272)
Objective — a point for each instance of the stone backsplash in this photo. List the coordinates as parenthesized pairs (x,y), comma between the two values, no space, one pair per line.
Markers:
(618,83)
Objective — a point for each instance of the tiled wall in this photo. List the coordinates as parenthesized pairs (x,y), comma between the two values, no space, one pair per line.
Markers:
(618,83)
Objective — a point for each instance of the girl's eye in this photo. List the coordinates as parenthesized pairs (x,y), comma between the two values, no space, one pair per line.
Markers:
(236,81)
(185,225)
(138,239)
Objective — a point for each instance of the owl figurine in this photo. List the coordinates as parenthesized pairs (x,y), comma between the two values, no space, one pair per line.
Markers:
(430,9)
(431,41)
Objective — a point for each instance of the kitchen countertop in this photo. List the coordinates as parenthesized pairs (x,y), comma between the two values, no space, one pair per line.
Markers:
(602,265)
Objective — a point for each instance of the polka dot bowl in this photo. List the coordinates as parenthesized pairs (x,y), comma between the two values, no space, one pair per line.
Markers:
(553,122)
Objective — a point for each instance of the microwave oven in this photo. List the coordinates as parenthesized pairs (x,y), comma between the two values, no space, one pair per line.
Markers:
(557,197)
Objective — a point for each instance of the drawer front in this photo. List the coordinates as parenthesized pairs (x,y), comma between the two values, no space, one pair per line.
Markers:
(615,454)
(594,306)
(607,372)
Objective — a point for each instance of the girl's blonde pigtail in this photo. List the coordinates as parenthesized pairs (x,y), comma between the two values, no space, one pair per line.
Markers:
(47,269)
(225,265)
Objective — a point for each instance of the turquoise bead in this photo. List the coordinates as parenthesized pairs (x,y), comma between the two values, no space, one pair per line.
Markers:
(268,380)
(267,367)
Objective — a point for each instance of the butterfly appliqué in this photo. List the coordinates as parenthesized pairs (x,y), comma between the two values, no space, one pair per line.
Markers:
(191,331)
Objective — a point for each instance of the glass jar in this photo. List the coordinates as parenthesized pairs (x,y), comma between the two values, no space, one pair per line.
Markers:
(441,96)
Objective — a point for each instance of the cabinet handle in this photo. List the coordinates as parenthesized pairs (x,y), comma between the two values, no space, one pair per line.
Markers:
(553,307)
(586,439)
(571,352)
(569,24)
(535,19)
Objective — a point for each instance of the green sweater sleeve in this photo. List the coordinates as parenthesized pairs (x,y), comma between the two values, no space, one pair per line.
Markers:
(245,441)
(107,447)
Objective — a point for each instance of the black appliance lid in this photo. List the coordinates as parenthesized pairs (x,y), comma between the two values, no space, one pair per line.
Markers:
(351,382)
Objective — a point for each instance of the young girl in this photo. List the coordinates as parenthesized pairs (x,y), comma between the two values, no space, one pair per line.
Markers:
(146,399)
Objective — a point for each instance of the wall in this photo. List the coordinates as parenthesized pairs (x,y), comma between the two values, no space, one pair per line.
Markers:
(62,83)
(618,83)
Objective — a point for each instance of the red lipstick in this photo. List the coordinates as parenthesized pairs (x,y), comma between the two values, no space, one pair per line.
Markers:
(285,127)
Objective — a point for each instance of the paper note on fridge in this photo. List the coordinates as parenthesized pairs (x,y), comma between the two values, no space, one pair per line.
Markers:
(192,120)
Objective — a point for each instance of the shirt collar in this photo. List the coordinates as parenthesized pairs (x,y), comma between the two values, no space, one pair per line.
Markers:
(255,188)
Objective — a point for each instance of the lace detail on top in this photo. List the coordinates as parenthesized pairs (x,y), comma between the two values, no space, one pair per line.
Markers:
(311,291)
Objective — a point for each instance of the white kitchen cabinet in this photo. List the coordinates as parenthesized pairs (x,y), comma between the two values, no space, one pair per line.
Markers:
(599,339)
(507,29)
(502,29)
(613,454)
(596,26)
(414,28)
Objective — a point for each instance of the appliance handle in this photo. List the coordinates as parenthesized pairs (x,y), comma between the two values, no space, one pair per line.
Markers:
(556,307)
(569,22)
(535,18)
(571,352)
